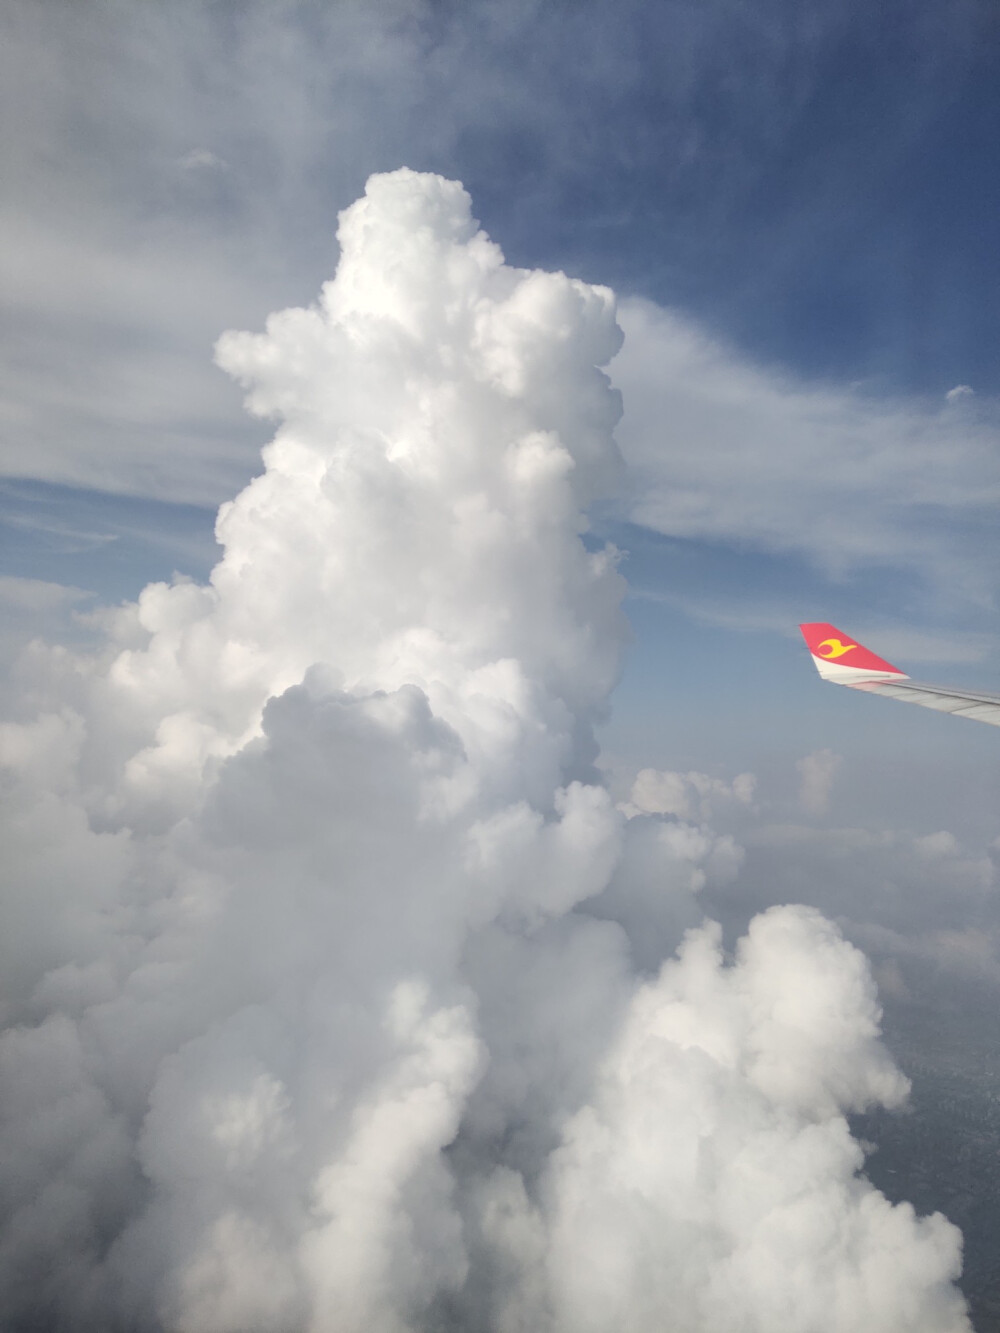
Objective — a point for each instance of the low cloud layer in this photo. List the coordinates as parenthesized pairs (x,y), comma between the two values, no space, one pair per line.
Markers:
(818,772)
(339,994)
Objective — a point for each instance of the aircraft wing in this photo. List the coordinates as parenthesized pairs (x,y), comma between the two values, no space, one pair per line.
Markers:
(844,661)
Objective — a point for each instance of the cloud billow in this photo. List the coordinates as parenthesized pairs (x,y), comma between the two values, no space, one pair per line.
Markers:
(324,1009)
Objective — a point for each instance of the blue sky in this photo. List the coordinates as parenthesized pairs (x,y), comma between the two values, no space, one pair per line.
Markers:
(810,190)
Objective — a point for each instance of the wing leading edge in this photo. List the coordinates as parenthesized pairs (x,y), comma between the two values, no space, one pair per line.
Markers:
(842,660)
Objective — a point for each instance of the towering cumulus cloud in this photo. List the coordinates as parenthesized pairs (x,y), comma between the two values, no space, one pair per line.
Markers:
(335,992)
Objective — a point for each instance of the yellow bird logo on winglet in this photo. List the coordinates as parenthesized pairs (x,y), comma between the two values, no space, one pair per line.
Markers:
(837,649)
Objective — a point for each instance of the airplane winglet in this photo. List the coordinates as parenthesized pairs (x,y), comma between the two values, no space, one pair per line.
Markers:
(839,658)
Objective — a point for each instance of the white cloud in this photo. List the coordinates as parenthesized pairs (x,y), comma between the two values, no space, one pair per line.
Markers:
(36,609)
(37,595)
(687,795)
(817,772)
(719,449)
(268,954)
(66,538)
(202,159)
(713,1175)
(923,906)
(324,940)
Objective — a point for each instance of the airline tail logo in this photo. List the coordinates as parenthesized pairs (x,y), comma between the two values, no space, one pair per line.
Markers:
(835,648)
(828,645)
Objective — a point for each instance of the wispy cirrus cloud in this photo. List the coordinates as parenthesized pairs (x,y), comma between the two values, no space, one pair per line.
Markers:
(722,450)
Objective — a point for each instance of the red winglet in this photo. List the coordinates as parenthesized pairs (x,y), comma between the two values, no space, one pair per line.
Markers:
(829,644)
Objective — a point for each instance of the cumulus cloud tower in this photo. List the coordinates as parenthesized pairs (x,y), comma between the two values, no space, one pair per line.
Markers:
(444,428)
(366,738)
(338,1027)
